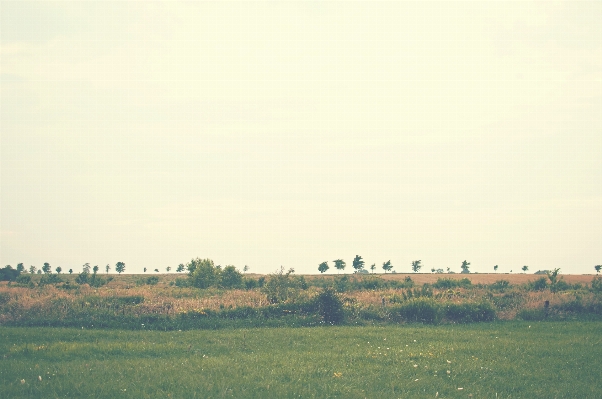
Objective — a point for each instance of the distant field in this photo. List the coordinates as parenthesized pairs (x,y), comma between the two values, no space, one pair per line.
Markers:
(487,360)
(418,278)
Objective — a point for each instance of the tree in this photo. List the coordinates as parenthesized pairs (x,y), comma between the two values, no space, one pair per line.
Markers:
(358,263)
(340,264)
(46,268)
(168,268)
(230,277)
(373,267)
(203,272)
(145,270)
(279,286)
(86,268)
(156,270)
(245,269)
(416,266)
(433,270)
(59,270)
(180,268)
(39,272)
(465,266)
(553,276)
(20,268)
(70,271)
(95,269)
(387,266)
(32,269)
(8,273)
(598,267)
(525,268)
(107,268)
(323,267)
(495,268)
(120,267)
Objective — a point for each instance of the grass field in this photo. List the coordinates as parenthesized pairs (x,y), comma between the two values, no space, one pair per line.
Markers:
(486,360)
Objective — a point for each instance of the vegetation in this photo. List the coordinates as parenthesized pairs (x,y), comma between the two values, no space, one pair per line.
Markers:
(512,359)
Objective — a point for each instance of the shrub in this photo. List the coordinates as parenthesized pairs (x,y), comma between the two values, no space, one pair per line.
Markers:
(532,314)
(49,279)
(469,312)
(250,283)
(423,310)
(539,285)
(446,283)
(500,285)
(182,282)
(330,307)
(152,280)
(24,279)
(230,277)
(597,284)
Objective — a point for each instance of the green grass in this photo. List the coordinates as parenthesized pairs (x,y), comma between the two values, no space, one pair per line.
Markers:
(507,359)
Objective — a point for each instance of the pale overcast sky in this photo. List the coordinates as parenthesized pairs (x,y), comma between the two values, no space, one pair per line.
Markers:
(291,133)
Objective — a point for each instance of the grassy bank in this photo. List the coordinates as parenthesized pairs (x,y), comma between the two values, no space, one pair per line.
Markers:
(509,359)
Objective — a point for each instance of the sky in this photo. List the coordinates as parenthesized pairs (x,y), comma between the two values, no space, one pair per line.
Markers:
(291,133)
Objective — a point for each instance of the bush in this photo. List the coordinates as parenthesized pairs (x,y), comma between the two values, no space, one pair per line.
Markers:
(49,279)
(539,285)
(154,280)
(7,273)
(182,282)
(500,285)
(422,310)
(24,279)
(446,283)
(469,312)
(330,307)
(597,284)
(532,314)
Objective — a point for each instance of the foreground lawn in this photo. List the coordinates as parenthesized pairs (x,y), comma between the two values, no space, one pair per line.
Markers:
(486,360)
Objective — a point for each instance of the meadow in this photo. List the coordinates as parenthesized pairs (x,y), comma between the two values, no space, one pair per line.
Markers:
(485,360)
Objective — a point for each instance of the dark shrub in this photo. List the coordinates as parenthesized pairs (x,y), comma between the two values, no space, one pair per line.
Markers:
(182,282)
(330,307)
(539,285)
(597,284)
(469,312)
(423,310)
(250,283)
(7,273)
(500,285)
(532,314)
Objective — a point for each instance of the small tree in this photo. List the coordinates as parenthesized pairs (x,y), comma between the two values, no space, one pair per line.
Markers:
(59,270)
(156,270)
(358,263)
(230,277)
(465,266)
(180,268)
(373,267)
(46,268)
(120,267)
(323,267)
(95,269)
(279,286)
(598,268)
(107,268)
(70,271)
(495,268)
(245,269)
(525,268)
(32,269)
(203,272)
(145,270)
(340,264)
(433,270)
(86,268)
(387,266)
(168,268)
(416,266)
(20,268)
(553,277)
